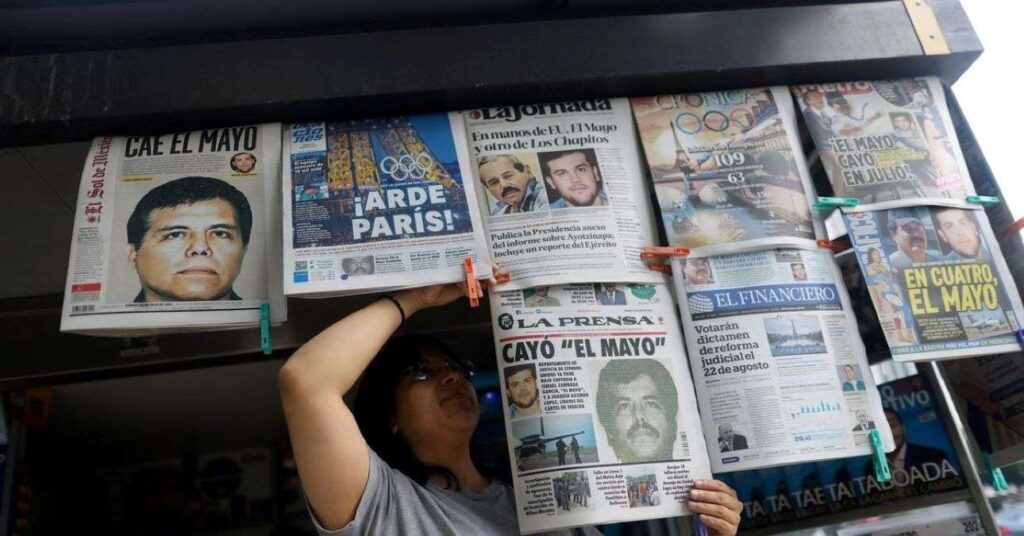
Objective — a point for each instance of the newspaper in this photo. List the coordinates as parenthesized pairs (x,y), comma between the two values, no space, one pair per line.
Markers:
(377,205)
(727,169)
(923,463)
(887,143)
(780,372)
(938,282)
(564,198)
(601,413)
(177,233)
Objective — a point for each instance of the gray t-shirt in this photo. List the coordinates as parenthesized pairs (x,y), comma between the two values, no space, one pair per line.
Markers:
(393,504)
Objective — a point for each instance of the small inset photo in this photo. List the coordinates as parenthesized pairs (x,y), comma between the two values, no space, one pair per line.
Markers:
(554,441)
(697,271)
(354,266)
(641,486)
(851,378)
(572,178)
(610,294)
(862,421)
(794,335)
(572,492)
(523,391)
(729,438)
(243,163)
(539,297)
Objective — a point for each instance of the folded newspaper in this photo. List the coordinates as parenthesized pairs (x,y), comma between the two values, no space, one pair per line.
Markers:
(378,205)
(887,143)
(564,195)
(938,281)
(601,415)
(179,232)
(728,170)
(780,371)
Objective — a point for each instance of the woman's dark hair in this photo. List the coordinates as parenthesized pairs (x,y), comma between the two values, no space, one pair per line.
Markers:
(375,405)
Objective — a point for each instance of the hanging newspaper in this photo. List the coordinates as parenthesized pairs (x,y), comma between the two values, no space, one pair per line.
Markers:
(923,463)
(938,282)
(727,169)
(378,204)
(601,415)
(564,196)
(887,143)
(177,233)
(780,372)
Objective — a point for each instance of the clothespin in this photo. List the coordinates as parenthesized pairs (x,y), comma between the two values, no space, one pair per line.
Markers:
(1020,336)
(654,252)
(829,203)
(265,343)
(827,244)
(998,480)
(659,267)
(882,473)
(702,530)
(502,277)
(472,287)
(983,200)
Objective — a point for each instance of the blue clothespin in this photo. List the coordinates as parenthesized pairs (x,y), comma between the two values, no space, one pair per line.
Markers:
(702,530)
(882,473)
(983,200)
(829,203)
(998,480)
(1020,336)
(265,344)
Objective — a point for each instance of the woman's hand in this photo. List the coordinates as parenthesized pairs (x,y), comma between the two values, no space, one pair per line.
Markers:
(717,506)
(416,299)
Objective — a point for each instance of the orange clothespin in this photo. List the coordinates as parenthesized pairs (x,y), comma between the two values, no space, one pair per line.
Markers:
(828,244)
(659,267)
(502,277)
(472,286)
(654,252)
(1011,229)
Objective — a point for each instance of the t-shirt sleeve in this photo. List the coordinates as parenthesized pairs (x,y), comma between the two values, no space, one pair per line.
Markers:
(376,500)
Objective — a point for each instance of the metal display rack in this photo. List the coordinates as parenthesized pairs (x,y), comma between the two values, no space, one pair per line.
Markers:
(74,69)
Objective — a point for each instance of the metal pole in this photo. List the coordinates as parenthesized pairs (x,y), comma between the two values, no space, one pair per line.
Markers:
(964,445)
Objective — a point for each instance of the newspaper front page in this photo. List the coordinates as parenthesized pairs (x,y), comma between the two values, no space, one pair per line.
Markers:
(179,232)
(780,371)
(727,169)
(938,282)
(601,415)
(887,143)
(378,204)
(563,195)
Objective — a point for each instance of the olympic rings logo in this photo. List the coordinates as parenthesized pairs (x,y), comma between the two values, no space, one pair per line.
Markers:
(406,166)
(691,123)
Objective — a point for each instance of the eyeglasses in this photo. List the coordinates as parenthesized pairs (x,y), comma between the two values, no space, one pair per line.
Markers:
(425,371)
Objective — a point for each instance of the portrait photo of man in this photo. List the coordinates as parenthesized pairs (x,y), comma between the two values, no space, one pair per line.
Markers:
(908,232)
(243,162)
(573,178)
(637,406)
(187,239)
(799,271)
(958,230)
(609,294)
(358,265)
(728,440)
(521,386)
(512,185)
(540,297)
(697,271)
(851,380)
(864,423)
